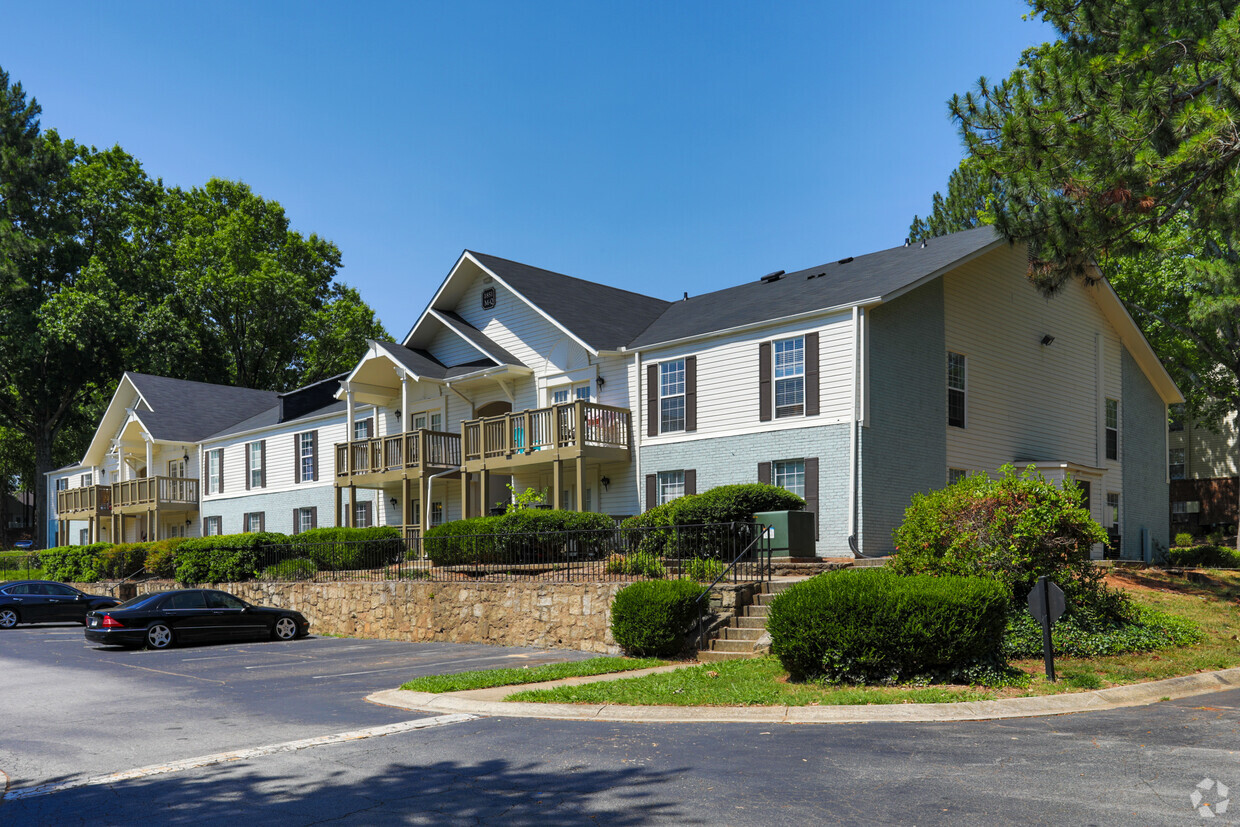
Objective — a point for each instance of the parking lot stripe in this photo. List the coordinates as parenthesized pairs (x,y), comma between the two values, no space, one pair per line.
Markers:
(239,755)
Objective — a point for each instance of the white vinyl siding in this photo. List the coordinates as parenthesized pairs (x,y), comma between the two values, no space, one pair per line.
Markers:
(1028,401)
(727,379)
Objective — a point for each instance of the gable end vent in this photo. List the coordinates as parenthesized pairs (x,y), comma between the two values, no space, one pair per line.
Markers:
(770,277)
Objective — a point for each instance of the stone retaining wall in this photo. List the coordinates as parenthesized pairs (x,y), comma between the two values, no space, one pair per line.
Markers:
(550,615)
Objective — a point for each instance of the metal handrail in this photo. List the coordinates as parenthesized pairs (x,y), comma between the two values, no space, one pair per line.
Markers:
(698,602)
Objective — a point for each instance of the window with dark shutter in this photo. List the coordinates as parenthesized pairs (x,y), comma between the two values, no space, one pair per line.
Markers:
(764,472)
(652,400)
(690,481)
(690,393)
(764,382)
(811,490)
(314,442)
(262,452)
(811,374)
(652,491)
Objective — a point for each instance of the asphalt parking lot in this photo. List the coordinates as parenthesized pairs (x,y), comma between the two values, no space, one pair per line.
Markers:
(74,709)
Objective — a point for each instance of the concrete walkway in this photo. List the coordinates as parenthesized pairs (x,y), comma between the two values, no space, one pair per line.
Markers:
(490,702)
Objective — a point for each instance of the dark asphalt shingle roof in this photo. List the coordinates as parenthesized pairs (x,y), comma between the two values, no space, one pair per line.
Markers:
(841,284)
(419,362)
(271,417)
(606,317)
(184,411)
(477,337)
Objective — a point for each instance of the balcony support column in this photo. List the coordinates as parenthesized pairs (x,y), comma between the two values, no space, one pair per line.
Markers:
(339,494)
(348,428)
(406,496)
(150,456)
(484,493)
(581,482)
(404,402)
(557,476)
(352,506)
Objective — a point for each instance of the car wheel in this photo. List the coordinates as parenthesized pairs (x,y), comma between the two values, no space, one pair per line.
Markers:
(285,629)
(158,636)
(8,618)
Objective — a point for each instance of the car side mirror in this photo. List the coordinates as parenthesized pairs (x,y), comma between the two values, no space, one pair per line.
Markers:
(79,597)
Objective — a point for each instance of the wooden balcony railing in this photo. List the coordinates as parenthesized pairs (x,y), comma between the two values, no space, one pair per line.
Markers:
(92,499)
(398,452)
(156,491)
(571,427)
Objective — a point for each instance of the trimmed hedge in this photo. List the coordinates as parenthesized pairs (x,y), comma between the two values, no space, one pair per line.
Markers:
(654,617)
(224,558)
(74,564)
(344,549)
(875,626)
(297,568)
(518,537)
(722,504)
(1205,556)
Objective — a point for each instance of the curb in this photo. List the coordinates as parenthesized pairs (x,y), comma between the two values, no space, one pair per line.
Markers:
(1116,697)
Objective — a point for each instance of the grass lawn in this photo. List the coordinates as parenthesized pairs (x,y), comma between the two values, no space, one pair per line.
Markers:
(536,674)
(1213,604)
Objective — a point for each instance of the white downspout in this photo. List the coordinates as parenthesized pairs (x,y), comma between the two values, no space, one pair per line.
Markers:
(426,506)
(640,429)
(854,433)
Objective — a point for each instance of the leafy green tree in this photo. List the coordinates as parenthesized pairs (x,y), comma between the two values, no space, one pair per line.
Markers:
(335,336)
(969,203)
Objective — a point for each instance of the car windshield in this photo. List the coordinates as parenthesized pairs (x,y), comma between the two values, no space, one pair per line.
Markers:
(140,600)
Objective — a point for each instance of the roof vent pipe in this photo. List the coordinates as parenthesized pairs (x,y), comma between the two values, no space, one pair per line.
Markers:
(770,277)
(923,244)
(686,298)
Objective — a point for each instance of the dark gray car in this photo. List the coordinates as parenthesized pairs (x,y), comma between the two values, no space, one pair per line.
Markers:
(46,601)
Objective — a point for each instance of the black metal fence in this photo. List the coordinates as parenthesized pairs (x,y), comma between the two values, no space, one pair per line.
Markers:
(20,567)
(696,552)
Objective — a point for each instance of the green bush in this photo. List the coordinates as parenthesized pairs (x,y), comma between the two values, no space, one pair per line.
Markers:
(344,549)
(1210,557)
(122,560)
(703,569)
(1013,529)
(161,557)
(653,531)
(227,558)
(298,568)
(1084,634)
(638,564)
(74,564)
(1184,539)
(654,617)
(872,625)
(527,535)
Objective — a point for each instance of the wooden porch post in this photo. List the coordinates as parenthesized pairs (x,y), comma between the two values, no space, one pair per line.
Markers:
(352,506)
(581,480)
(484,493)
(339,494)
(405,494)
(557,474)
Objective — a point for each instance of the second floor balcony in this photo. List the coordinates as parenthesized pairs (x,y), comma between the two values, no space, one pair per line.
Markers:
(82,503)
(573,430)
(147,493)
(388,458)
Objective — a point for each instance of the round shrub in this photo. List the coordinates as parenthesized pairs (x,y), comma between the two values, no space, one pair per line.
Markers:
(1013,529)
(653,531)
(653,617)
(872,625)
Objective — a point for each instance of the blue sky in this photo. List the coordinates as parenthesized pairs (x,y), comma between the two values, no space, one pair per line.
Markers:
(661,147)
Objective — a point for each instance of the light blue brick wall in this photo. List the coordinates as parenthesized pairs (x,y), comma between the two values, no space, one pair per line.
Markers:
(904,445)
(278,507)
(1143,435)
(734,459)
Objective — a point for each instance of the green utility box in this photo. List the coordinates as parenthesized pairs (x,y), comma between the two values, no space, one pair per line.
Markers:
(792,532)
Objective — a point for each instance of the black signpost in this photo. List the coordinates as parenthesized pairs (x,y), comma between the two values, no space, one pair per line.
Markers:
(1046,604)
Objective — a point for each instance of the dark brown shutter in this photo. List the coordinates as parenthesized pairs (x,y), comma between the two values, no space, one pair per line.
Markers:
(220,451)
(652,400)
(652,491)
(764,382)
(314,453)
(245,523)
(296,521)
(262,521)
(296,458)
(204,456)
(764,472)
(262,457)
(690,393)
(811,376)
(811,490)
(246,448)
(690,481)
(314,516)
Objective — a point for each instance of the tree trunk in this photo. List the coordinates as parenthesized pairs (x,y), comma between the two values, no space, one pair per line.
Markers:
(42,465)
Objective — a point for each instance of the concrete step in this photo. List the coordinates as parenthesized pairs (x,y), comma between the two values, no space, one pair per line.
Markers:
(732,633)
(757,611)
(749,622)
(780,586)
(710,657)
(718,645)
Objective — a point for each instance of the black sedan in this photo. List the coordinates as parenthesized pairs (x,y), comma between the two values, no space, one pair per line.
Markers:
(46,601)
(191,616)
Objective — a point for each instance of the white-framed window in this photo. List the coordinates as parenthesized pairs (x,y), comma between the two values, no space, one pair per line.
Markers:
(254,522)
(363,428)
(582,392)
(62,484)
(83,536)
(88,480)
(305,456)
(1176,420)
(215,459)
(1112,428)
(789,474)
(212,526)
(955,475)
(361,515)
(671,486)
(1175,463)
(956,387)
(436,422)
(789,377)
(427,419)
(1179,511)
(672,396)
(176,468)
(255,450)
(436,513)
(559,396)
(1112,515)
(305,520)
